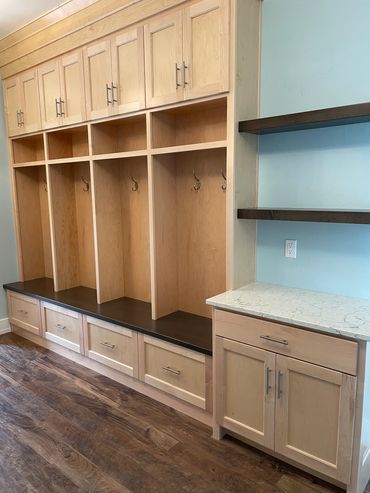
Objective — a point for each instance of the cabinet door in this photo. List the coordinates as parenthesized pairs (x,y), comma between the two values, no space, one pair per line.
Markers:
(315,416)
(30,106)
(49,88)
(206,48)
(245,397)
(163,59)
(12,101)
(98,79)
(128,71)
(73,104)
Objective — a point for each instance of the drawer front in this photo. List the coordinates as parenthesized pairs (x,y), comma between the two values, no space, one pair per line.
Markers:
(24,312)
(173,369)
(62,326)
(112,345)
(330,352)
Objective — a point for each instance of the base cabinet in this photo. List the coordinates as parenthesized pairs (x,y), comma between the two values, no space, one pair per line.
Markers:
(62,326)
(299,410)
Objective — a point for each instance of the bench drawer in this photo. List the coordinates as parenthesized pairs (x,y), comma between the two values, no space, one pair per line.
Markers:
(112,345)
(24,312)
(313,347)
(173,369)
(62,326)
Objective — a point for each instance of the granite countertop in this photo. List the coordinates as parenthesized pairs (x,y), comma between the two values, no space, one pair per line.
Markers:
(328,313)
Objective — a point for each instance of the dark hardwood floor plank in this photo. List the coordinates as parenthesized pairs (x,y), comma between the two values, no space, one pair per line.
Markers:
(61,420)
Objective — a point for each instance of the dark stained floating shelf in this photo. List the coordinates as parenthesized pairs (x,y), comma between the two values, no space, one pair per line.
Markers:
(328,117)
(307,215)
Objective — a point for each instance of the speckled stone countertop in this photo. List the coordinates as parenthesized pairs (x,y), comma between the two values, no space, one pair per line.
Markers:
(330,313)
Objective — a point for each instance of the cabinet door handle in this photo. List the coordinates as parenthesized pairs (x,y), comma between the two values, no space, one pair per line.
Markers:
(61,103)
(268,386)
(18,119)
(22,118)
(284,342)
(107,344)
(184,67)
(279,389)
(177,70)
(109,101)
(61,327)
(56,107)
(114,99)
(171,370)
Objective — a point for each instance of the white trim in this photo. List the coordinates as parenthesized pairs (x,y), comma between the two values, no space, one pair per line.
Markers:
(4,326)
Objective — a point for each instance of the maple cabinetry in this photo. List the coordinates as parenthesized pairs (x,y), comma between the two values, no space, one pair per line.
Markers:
(22,108)
(114,74)
(187,53)
(62,95)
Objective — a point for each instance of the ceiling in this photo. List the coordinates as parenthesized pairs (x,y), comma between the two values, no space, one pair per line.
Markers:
(16,13)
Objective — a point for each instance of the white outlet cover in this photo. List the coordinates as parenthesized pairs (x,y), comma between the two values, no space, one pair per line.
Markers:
(291,248)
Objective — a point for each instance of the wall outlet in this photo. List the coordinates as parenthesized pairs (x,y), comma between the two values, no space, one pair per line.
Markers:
(291,248)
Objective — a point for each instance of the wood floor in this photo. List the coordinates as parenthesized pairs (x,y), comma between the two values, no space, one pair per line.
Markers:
(64,428)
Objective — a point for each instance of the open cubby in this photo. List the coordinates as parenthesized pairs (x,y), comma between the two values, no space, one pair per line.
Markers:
(71,212)
(122,135)
(189,225)
(192,124)
(122,224)
(68,143)
(33,221)
(28,149)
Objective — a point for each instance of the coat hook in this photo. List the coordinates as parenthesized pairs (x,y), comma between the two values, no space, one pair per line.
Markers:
(197,183)
(135,184)
(45,184)
(224,185)
(86,188)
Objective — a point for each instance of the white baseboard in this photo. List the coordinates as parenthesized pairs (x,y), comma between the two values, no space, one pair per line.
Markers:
(4,326)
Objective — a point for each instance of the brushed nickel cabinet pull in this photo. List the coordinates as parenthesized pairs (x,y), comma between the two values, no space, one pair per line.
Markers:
(114,98)
(177,70)
(18,119)
(107,344)
(22,118)
(109,101)
(268,386)
(61,103)
(171,370)
(56,107)
(22,311)
(279,389)
(61,327)
(184,67)
(284,342)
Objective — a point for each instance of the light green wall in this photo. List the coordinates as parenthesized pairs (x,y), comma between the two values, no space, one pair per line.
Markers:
(8,260)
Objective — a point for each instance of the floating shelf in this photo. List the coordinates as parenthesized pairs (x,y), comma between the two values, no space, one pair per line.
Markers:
(308,215)
(328,117)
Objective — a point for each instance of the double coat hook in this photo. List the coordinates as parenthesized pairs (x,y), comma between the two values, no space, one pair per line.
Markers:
(135,184)
(197,183)
(86,187)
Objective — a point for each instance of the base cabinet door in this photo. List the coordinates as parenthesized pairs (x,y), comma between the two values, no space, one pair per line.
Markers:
(24,312)
(206,48)
(62,326)
(315,417)
(245,399)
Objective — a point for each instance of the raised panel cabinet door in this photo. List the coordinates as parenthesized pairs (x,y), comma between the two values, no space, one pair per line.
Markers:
(315,416)
(73,101)
(30,107)
(12,103)
(50,92)
(98,79)
(128,71)
(245,391)
(163,60)
(206,48)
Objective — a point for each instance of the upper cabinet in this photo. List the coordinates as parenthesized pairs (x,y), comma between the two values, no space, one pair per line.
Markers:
(187,53)
(22,107)
(114,74)
(62,95)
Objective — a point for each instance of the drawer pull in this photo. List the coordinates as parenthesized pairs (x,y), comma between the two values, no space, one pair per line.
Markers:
(107,344)
(23,311)
(61,327)
(284,342)
(171,370)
